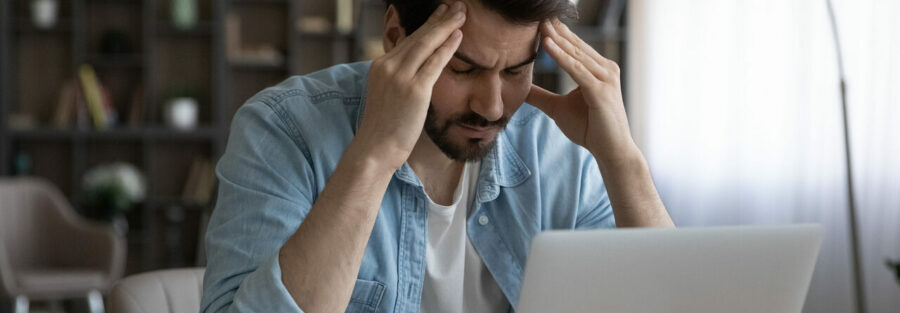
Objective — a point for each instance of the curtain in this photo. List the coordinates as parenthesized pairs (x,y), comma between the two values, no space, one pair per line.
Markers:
(737,108)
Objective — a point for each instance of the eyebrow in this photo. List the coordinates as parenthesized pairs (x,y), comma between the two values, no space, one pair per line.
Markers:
(469,60)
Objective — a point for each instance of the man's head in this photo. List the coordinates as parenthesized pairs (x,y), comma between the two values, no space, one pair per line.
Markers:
(490,74)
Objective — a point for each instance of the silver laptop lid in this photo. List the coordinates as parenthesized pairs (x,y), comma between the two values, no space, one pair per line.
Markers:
(739,269)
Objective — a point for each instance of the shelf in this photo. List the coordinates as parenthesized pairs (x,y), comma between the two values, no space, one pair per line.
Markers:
(149,133)
(130,61)
(116,1)
(40,133)
(169,134)
(326,36)
(252,65)
(267,2)
(166,28)
(62,26)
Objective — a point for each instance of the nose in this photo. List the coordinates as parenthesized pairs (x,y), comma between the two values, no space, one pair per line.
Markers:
(488,100)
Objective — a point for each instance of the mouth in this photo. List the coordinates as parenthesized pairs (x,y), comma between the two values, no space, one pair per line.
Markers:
(478,131)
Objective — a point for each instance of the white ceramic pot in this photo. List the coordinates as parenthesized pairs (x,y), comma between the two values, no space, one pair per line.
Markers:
(43,13)
(181,113)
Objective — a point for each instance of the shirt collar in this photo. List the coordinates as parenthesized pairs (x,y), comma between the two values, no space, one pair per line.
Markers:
(502,167)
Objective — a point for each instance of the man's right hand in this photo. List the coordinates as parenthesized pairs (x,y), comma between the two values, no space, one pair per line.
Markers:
(400,85)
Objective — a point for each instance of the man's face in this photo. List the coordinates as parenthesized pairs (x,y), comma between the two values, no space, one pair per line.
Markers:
(483,85)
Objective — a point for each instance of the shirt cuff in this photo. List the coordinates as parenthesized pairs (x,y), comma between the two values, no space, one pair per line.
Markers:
(263,291)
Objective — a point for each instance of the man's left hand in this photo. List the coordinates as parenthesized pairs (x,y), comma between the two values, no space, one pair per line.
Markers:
(592,115)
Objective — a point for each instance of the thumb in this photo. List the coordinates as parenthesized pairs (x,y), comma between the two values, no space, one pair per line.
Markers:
(542,99)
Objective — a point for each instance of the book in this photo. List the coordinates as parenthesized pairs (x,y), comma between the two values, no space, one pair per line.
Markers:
(206,183)
(313,25)
(82,117)
(198,187)
(93,96)
(112,116)
(233,35)
(190,185)
(344,19)
(136,109)
(64,115)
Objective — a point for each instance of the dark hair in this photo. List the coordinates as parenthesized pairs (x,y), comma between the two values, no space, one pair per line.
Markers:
(414,13)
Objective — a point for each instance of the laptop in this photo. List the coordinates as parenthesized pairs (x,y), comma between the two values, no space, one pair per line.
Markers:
(738,269)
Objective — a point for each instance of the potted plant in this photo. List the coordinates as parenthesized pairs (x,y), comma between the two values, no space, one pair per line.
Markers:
(184,13)
(110,191)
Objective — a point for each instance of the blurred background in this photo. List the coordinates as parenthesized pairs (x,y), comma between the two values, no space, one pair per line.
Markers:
(113,114)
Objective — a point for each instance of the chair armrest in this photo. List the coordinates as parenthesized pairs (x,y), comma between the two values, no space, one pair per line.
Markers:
(93,245)
(7,283)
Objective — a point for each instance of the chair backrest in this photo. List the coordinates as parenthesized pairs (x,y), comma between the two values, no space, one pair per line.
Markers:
(31,212)
(164,291)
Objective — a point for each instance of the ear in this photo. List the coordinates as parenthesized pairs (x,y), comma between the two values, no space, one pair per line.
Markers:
(393,32)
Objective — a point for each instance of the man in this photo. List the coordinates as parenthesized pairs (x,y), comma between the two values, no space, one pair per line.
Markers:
(415,182)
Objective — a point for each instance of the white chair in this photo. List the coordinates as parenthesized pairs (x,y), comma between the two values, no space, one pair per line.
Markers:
(164,291)
(49,252)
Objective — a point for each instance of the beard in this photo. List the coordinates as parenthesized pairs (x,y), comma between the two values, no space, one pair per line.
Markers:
(471,149)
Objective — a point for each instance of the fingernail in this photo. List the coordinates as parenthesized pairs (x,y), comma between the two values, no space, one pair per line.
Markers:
(441,9)
(458,15)
(457,6)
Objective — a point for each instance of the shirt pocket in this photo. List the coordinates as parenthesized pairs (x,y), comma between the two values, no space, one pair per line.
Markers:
(366,296)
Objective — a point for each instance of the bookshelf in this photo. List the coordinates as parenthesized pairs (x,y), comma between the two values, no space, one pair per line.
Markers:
(275,39)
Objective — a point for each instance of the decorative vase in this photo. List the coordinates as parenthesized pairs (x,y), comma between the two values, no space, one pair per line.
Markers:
(43,13)
(184,13)
(181,113)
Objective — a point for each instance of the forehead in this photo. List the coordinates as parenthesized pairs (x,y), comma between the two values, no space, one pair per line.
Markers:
(490,39)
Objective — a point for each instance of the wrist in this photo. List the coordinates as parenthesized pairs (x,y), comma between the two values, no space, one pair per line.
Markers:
(616,159)
(377,159)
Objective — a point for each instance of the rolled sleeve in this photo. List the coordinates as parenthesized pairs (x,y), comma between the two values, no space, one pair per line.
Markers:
(596,210)
(265,191)
(263,291)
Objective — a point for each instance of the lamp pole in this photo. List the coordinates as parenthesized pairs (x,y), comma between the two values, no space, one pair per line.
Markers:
(854,232)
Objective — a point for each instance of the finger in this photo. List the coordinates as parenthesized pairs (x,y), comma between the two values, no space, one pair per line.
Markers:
(564,30)
(435,64)
(424,41)
(542,99)
(553,30)
(436,18)
(579,73)
(575,52)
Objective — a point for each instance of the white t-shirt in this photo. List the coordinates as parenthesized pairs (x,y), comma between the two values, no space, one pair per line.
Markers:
(456,279)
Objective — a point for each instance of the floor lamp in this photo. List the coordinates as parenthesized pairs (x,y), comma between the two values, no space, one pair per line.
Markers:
(854,232)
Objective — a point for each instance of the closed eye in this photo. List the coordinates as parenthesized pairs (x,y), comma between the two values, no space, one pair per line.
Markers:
(513,72)
(470,71)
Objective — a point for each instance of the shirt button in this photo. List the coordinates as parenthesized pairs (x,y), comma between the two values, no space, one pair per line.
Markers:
(483,220)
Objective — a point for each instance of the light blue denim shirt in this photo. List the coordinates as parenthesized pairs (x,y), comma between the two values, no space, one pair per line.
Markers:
(286,141)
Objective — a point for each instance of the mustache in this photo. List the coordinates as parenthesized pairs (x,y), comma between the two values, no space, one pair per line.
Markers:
(472,118)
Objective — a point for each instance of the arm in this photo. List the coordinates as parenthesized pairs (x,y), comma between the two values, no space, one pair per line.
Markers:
(321,260)
(630,186)
(593,116)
